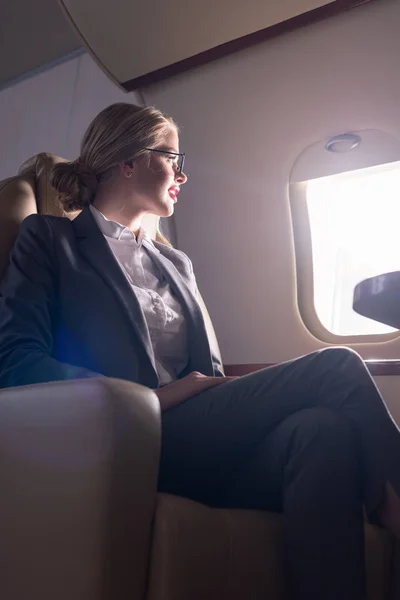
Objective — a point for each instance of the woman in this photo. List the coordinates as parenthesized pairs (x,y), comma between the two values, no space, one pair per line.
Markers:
(311,437)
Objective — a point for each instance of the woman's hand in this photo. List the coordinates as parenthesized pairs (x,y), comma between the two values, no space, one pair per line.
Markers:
(182,389)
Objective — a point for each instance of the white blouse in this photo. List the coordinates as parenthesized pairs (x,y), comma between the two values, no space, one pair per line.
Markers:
(162,310)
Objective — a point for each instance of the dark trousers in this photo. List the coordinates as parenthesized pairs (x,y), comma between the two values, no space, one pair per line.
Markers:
(311,438)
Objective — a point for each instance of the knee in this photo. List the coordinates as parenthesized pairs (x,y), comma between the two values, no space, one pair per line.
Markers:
(341,355)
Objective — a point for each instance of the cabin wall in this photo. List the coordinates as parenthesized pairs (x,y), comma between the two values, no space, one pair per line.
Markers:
(50,111)
(245,119)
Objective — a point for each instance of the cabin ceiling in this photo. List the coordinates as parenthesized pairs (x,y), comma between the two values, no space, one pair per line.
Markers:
(32,34)
(37,34)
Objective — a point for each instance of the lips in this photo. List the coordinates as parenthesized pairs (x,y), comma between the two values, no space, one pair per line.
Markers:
(173,192)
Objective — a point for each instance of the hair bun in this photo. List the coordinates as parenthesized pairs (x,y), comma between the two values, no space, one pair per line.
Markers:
(75,184)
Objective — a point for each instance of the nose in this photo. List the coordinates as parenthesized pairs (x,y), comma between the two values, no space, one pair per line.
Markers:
(180,178)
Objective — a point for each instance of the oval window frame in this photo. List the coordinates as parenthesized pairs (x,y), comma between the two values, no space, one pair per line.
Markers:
(376,148)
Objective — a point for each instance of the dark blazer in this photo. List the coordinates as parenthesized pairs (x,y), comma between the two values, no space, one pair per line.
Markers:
(68,311)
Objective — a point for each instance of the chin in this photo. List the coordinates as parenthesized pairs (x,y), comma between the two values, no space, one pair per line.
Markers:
(163,210)
(167,210)
(163,207)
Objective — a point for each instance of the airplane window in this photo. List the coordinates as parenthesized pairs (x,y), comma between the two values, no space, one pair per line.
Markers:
(354,226)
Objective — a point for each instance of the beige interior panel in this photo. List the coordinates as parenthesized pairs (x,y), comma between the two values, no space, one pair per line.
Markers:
(131,39)
(245,120)
(375,148)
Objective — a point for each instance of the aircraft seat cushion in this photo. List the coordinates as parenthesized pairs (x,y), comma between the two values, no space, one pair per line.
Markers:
(78,473)
(201,552)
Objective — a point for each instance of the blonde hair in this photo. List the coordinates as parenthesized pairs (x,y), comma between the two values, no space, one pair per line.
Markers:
(119,133)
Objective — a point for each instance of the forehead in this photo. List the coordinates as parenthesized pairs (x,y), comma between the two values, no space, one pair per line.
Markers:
(170,139)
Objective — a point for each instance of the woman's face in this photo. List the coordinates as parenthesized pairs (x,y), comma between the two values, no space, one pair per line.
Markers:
(155,180)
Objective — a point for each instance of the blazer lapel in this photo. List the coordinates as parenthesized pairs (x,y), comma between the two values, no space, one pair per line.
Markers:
(94,247)
(200,353)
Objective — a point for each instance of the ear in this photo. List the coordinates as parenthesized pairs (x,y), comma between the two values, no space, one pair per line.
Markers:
(126,168)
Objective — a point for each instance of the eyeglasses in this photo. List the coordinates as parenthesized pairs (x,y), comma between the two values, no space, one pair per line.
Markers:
(180,160)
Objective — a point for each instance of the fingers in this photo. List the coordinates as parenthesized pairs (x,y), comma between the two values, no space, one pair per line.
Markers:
(208,382)
(201,377)
(220,380)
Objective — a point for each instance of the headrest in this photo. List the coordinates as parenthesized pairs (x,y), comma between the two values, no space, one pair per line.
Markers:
(27,193)
(46,199)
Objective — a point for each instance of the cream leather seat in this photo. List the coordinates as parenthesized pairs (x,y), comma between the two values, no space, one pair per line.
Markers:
(80,516)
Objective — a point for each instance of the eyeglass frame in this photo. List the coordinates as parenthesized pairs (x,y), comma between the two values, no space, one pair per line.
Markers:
(181,154)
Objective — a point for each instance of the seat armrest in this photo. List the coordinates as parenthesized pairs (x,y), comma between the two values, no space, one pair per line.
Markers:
(78,482)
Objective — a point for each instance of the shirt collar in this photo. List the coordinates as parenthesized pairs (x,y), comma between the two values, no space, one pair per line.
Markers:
(115,230)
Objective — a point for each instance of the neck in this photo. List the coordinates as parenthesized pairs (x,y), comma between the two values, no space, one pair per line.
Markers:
(115,209)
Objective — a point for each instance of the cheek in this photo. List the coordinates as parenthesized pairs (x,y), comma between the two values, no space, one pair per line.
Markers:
(164,178)
(152,182)
(156,179)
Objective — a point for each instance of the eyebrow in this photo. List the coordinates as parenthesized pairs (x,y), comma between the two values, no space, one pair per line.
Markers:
(172,150)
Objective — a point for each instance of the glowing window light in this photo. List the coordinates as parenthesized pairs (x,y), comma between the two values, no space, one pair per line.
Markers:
(354,220)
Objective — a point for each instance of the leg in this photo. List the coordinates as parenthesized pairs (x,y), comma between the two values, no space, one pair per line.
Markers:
(308,468)
(207,437)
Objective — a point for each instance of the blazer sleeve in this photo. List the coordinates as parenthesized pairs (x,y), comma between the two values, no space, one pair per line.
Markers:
(28,304)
